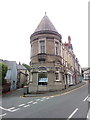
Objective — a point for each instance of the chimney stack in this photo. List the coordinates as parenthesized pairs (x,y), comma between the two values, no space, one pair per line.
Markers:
(69,39)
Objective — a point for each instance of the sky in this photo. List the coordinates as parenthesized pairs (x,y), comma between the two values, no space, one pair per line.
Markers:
(19,19)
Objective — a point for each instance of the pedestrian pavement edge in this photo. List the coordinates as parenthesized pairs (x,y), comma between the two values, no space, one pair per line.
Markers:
(48,93)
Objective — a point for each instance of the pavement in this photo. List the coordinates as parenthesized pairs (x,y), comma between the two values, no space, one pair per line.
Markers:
(42,94)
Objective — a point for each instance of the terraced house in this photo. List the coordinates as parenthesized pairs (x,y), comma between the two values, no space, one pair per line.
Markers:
(54,65)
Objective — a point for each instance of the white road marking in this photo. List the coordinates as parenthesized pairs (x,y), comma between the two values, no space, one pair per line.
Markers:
(48,98)
(88,115)
(72,113)
(86,98)
(21,105)
(43,97)
(3,114)
(35,102)
(11,108)
(42,100)
(15,110)
(26,106)
(37,99)
(4,109)
(30,102)
(51,96)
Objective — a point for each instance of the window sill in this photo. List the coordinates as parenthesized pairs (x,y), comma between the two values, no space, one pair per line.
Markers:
(58,81)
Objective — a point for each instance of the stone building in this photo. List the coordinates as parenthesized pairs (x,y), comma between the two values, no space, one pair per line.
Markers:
(17,75)
(11,75)
(54,66)
(72,66)
(22,76)
(86,73)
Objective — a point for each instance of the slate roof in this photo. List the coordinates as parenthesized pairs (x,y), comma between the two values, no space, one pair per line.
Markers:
(8,75)
(20,67)
(11,73)
(10,64)
(45,26)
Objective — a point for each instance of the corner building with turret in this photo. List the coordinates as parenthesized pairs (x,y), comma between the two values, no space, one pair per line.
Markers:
(53,63)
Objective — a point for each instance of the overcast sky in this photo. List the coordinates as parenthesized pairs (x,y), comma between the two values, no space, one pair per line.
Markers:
(19,19)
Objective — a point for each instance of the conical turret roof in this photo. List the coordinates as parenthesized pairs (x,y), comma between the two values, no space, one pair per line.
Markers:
(45,26)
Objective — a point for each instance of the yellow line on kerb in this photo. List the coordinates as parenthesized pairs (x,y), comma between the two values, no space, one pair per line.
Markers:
(69,91)
(59,94)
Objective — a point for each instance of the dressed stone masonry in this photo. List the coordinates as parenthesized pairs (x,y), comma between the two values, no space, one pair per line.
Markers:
(54,65)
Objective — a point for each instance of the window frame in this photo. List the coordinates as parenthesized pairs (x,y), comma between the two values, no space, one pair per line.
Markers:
(58,46)
(58,76)
(39,46)
(41,83)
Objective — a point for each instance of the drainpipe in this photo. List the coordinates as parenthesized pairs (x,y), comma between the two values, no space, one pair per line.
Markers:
(66,81)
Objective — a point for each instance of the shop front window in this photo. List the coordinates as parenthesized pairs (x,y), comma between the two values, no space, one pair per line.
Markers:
(42,78)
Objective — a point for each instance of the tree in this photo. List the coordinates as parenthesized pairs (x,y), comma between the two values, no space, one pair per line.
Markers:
(3,71)
(27,67)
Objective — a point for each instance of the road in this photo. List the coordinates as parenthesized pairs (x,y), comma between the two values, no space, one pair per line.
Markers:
(72,104)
